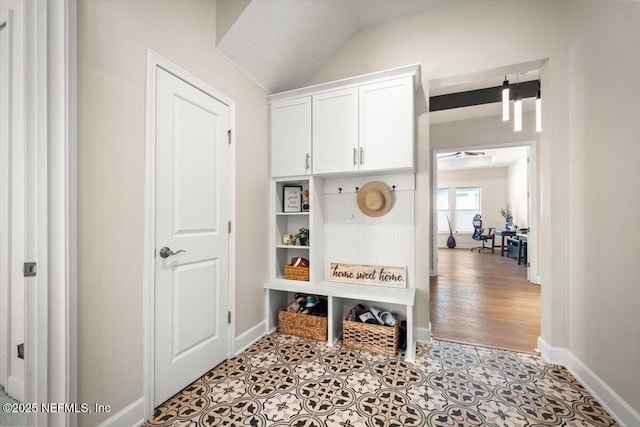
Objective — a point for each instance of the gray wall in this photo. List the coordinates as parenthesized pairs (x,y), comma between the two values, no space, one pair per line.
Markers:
(113,36)
(604,192)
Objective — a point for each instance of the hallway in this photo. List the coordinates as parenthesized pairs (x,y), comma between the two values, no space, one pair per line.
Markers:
(484,299)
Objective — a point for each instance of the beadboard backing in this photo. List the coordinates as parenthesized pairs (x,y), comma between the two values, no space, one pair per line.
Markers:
(386,240)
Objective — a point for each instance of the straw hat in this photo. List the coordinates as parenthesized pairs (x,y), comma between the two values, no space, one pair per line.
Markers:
(374,199)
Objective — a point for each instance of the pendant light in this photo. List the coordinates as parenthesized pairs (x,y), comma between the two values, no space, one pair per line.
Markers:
(505,99)
(517,110)
(538,109)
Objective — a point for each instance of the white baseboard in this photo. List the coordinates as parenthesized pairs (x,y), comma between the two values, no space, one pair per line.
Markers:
(247,338)
(131,415)
(615,405)
(15,388)
(557,355)
(422,335)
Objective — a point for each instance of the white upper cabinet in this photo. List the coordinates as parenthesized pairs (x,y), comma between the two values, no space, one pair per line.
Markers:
(335,131)
(387,125)
(291,137)
(360,124)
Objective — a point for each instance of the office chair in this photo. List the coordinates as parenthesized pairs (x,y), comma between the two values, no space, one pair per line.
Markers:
(478,235)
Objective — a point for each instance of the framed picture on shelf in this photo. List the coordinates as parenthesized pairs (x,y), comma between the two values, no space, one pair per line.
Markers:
(292,198)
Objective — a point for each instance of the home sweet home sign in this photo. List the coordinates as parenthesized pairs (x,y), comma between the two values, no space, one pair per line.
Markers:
(368,274)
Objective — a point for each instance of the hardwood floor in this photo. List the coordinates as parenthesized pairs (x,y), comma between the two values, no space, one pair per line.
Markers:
(484,299)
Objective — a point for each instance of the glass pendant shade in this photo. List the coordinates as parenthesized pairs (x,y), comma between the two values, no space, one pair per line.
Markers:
(538,112)
(517,114)
(505,100)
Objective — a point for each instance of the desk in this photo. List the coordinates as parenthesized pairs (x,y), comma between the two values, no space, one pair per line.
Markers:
(503,234)
(520,242)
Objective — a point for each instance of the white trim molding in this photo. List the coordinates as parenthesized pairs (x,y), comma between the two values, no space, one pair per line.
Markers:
(50,129)
(422,335)
(130,416)
(153,62)
(6,138)
(556,355)
(250,336)
(615,405)
(15,388)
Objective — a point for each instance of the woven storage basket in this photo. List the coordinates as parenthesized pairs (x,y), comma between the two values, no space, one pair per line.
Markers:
(366,336)
(303,325)
(296,273)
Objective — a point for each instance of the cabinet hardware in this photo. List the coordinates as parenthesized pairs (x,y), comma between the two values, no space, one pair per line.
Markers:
(361,155)
(306,161)
(354,156)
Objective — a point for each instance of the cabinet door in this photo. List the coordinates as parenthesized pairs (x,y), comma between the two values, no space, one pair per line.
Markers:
(387,125)
(291,137)
(335,131)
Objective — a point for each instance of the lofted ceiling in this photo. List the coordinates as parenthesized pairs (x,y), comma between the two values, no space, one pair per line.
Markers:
(282,44)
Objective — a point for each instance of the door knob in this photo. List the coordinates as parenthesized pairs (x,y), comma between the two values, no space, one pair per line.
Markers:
(166,252)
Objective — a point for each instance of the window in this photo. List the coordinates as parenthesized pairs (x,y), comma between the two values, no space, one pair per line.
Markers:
(442,202)
(467,206)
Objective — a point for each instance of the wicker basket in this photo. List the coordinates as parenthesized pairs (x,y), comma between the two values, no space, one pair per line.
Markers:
(296,273)
(366,336)
(303,325)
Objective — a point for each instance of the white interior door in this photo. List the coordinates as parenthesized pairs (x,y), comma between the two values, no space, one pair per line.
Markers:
(192,213)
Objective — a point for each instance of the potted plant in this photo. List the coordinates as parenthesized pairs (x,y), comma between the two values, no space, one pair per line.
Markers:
(302,237)
(451,241)
(506,213)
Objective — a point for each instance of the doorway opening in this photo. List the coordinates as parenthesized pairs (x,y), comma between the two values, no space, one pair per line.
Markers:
(483,287)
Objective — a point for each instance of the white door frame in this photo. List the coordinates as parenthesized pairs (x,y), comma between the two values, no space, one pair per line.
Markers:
(50,132)
(6,27)
(532,258)
(153,62)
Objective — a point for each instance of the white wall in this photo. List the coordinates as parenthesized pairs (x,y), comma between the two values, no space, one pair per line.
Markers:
(493,194)
(113,36)
(15,384)
(469,37)
(604,192)
(517,174)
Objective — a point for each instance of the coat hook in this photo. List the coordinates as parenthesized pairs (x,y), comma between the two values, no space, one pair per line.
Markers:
(393,188)
(339,190)
(357,188)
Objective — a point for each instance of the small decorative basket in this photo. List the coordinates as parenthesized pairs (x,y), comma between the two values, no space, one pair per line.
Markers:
(303,325)
(366,336)
(296,273)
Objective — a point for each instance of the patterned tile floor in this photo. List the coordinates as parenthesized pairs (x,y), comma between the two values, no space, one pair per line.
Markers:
(284,380)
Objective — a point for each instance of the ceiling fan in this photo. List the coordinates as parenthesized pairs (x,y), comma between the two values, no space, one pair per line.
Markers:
(460,154)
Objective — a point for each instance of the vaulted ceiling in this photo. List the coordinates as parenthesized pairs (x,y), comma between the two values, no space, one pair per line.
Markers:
(281,44)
